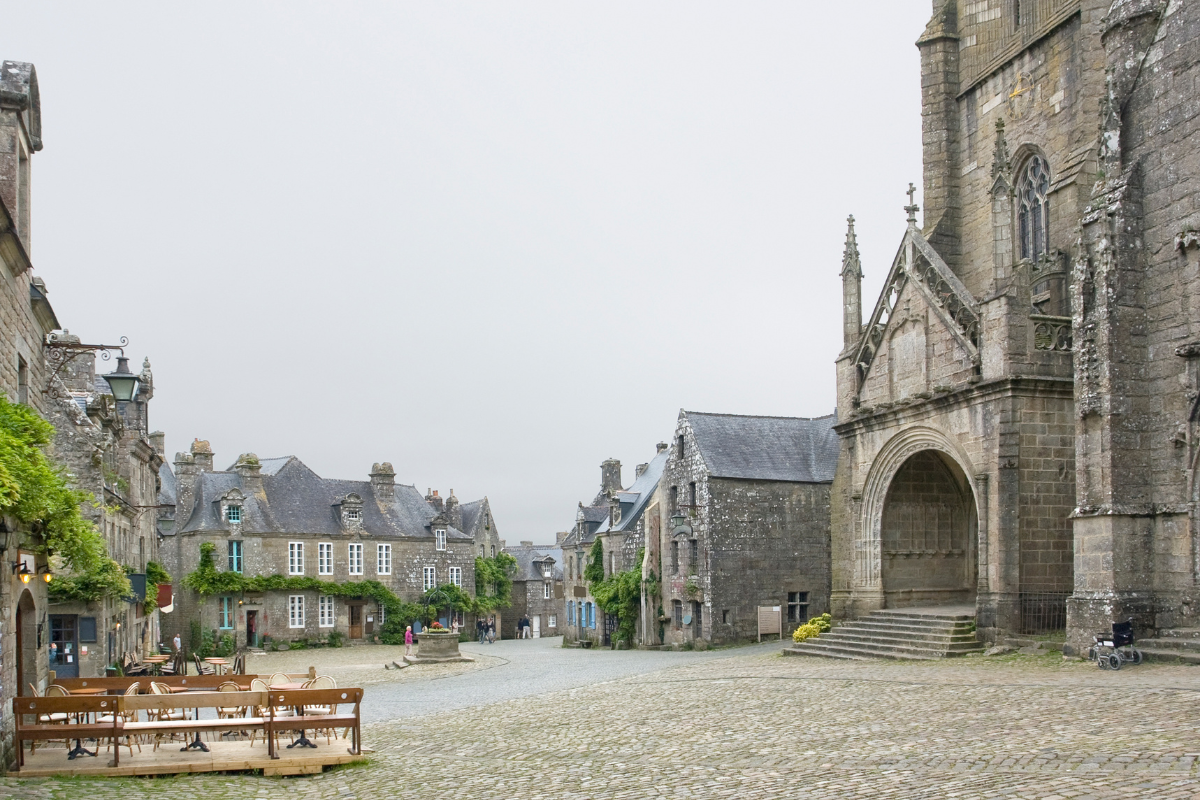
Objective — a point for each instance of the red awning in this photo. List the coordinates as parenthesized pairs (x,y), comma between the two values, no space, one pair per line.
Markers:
(165,598)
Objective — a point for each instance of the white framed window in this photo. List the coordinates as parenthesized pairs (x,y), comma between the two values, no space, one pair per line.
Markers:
(356,558)
(553,621)
(430,575)
(440,535)
(295,558)
(324,558)
(233,514)
(382,613)
(325,611)
(545,591)
(353,514)
(383,559)
(296,611)
(456,576)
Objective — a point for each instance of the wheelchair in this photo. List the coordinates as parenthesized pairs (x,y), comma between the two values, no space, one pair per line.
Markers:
(1110,651)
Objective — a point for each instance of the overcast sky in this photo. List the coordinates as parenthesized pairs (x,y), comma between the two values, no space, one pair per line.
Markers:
(492,243)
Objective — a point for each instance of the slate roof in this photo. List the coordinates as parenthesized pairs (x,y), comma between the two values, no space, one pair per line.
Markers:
(526,558)
(270,466)
(792,449)
(296,500)
(166,479)
(633,503)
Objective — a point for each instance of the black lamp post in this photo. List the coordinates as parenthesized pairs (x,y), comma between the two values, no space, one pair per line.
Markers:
(122,382)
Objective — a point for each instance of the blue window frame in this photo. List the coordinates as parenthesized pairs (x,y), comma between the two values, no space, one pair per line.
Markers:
(226,609)
(235,556)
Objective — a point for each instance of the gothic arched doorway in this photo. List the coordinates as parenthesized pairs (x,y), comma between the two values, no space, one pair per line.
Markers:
(928,534)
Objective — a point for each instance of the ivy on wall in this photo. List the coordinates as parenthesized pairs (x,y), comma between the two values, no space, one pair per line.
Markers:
(494,574)
(36,492)
(619,593)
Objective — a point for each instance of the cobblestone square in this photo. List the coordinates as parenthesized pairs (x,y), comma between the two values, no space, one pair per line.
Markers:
(543,722)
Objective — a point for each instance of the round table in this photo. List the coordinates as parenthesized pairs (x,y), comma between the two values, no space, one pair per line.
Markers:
(79,749)
(156,661)
(219,664)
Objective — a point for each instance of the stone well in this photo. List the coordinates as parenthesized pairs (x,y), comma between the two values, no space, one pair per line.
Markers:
(436,647)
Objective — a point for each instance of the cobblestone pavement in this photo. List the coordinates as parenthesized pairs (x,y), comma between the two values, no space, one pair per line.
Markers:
(748,723)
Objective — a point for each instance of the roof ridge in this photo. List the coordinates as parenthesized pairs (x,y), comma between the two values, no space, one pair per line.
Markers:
(756,416)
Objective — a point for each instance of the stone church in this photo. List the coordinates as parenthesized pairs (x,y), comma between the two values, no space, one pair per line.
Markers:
(1019,413)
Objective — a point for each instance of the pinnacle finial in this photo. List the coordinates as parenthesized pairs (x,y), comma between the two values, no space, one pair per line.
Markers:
(850,261)
(1000,163)
(912,208)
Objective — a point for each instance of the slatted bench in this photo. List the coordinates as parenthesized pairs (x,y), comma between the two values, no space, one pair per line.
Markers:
(186,700)
(73,706)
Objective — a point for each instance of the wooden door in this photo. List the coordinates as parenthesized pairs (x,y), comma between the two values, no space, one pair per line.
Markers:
(536,619)
(356,622)
(252,629)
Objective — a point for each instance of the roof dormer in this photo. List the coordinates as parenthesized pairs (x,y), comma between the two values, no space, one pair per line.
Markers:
(233,509)
(351,509)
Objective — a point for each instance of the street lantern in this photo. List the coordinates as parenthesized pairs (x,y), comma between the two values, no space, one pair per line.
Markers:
(677,519)
(124,384)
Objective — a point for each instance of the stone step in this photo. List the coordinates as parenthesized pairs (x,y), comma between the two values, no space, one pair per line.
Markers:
(962,644)
(910,630)
(1179,633)
(816,647)
(900,645)
(893,613)
(1164,655)
(1182,645)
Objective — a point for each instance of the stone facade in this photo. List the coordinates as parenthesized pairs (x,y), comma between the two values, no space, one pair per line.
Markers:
(537,593)
(277,517)
(106,447)
(623,520)
(743,522)
(991,397)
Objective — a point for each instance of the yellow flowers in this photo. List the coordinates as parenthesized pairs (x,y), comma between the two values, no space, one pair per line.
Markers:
(813,628)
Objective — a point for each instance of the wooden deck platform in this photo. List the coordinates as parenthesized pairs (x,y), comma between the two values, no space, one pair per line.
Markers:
(225,755)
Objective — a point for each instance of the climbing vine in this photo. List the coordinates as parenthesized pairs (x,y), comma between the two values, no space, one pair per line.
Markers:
(493,582)
(155,575)
(620,593)
(36,492)
(594,571)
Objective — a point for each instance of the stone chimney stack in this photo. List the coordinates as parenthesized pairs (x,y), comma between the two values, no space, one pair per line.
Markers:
(383,482)
(185,487)
(202,455)
(610,476)
(661,447)
(454,511)
(431,497)
(250,469)
(639,470)
(158,440)
(851,290)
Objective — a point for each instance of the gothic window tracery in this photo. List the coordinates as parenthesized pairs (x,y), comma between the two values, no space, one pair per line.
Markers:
(1033,213)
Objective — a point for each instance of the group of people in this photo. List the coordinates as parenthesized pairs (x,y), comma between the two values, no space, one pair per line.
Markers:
(485,629)
(524,628)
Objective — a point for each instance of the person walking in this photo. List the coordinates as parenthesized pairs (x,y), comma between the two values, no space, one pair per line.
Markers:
(408,641)
(491,631)
(178,643)
(480,630)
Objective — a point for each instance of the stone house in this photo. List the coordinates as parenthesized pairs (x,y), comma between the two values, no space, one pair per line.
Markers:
(278,517)
(109,453)
(1018,413)
(537,592)
(618,518)
(743,522)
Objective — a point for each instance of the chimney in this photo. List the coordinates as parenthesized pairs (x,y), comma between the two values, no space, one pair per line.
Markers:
(432,498)
(660,447)
(202,454)
(610,476)
(185,487)
(454,511)
(640,470)
(526,544)
(250,469)
(158,440)
(558,537)
(383,482)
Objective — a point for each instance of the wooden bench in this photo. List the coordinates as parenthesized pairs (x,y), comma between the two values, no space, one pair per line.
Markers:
(197,700)
(74,706)
(190,682)
(322,698)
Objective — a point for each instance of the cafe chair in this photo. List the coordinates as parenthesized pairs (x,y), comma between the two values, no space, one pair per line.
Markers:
(127,716)
(164,714)
(57,718)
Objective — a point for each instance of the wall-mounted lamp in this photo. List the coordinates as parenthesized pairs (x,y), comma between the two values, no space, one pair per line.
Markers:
(20,569)
(44,571)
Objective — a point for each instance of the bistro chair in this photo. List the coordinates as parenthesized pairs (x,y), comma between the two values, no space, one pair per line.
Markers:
(258,685)
(201,668)
(278,678)
(57,718)
(322,682)
(164,714)
(172,667)
(127,716)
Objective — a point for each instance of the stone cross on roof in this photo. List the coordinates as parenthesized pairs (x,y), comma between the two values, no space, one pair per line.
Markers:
(912,208)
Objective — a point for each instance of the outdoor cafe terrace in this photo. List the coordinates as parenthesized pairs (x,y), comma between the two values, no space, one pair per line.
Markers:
(282,724)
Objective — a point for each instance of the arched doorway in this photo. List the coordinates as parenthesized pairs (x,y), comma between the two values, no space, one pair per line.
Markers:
(27,643)
(928,534)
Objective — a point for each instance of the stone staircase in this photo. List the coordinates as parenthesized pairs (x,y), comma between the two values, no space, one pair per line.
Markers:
(1176,646)
(905,633)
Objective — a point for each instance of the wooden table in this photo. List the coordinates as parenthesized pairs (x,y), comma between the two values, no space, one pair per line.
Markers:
(219,664)
(155,661)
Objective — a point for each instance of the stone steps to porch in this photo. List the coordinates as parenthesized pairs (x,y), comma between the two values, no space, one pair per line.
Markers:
(1180,646)
(905,633)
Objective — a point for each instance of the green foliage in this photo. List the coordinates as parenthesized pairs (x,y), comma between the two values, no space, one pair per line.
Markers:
(619,594)
(227,647)
(336,638)
(155,575)
(194,637)
(813,628)
(493,582)
(208,643)
(36,492)
(108,579)
(594,571)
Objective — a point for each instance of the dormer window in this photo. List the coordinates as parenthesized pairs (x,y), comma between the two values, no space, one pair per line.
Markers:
(233,515)
(231,506)
(353,514)
(440,537)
